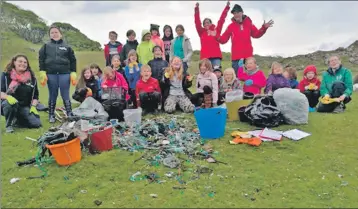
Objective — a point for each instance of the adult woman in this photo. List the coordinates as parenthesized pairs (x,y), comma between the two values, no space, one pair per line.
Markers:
(336,87)
(210,47)
(181,47)
(241,30)
(19,94)
(57,68)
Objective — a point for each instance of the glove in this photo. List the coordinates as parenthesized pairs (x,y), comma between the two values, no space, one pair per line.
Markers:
(190,78)
(11,100)
(73,76)
(89,92)
(311,86)
(34,110)
(43,78)
(326,97)
(248,82)
(241,62)
(166,75)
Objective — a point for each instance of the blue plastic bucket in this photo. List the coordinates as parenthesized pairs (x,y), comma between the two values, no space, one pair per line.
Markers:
(211,122)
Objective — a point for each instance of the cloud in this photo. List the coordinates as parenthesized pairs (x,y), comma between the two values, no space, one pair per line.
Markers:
(299,27)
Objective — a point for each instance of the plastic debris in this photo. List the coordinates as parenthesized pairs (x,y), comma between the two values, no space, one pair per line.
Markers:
(344,183)
(98,202)
(83,191)
(14,180)
(169,174)
(153,195)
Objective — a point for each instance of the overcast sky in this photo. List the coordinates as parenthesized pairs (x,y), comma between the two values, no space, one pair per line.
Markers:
(300,27)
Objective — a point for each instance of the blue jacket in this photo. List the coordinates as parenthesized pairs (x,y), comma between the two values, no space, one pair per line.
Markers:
(293,83)
(132,75)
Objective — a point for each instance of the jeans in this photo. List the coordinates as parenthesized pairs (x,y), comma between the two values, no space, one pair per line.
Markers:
(22,114)
(236,64)
(150,101)
(215,61)
(185,67)
(312,97)
(58,81)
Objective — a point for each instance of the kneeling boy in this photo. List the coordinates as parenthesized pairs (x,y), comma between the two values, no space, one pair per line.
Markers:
(148,91)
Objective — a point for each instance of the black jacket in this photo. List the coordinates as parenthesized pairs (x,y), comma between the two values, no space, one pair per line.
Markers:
(166,87)
(56,57)
(24,93)
(80,93)
(126,48)
(158,66)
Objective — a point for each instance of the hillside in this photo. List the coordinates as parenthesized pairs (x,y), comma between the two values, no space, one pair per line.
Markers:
(32,28)
(23,31)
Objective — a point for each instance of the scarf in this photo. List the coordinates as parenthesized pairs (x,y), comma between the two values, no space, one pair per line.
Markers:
(18,79)
(250,72)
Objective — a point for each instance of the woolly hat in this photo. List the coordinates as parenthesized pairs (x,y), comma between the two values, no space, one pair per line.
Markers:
(145,32)
(310,68)
(236,8)
(217,68)
(154,27)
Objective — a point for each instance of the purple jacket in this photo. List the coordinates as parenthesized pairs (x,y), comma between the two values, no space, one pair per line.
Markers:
(276,81)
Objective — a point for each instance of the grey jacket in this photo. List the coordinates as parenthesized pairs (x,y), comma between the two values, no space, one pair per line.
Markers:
(188,50)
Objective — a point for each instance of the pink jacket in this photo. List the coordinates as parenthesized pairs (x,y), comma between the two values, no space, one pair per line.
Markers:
(208,79)
(159,42)
(258,78)
(119,81)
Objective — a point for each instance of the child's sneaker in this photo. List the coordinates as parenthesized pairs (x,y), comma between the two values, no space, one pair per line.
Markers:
(312,109)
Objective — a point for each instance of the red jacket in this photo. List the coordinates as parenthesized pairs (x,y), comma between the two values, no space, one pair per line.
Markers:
(241,34)
(119,81)
(210,47)
(258,78)
(152,85)
(106,52)
(305,82)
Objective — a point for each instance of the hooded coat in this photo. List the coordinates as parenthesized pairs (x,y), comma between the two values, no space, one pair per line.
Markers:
(145,49)
(210,47)
(306,82)
(240,34)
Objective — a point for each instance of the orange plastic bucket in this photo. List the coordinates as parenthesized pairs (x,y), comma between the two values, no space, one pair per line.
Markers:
(66,153)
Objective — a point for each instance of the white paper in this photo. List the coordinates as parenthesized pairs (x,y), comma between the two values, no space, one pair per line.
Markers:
(257,133)
(271,134)
(295,134)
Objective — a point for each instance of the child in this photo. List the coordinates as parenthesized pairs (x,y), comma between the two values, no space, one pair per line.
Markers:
(132,43)
(132,72)
(113,47)
(112,79)
(219,74)
(154,31)
(254,78)
(167,40)
(116,64)
(181,47)
(310,85)
(230,83)
(206,77)
(176,88)
(97,73)
(87,86)
(355,83)
(276,80)
(291,75)
(157,64)
(148,91)
(144,49)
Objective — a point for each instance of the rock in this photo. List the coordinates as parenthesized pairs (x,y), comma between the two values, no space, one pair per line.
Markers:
(98,202)
(353,60)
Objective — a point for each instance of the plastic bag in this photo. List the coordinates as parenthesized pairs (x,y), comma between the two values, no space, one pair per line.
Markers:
(236,95)
(91,109)
(293,105)
(263,112)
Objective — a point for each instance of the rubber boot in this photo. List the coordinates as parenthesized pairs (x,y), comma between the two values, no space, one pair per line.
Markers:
(68,108)
(51,112)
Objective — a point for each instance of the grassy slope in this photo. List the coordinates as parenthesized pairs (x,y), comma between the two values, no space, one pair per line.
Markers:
(287,173)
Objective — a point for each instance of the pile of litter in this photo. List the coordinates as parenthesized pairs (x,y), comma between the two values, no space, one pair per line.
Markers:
(161,138)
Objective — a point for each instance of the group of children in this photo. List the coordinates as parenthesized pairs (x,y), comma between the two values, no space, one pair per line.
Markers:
(150,81)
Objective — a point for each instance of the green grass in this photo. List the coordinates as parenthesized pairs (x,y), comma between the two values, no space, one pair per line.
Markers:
(276,174)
